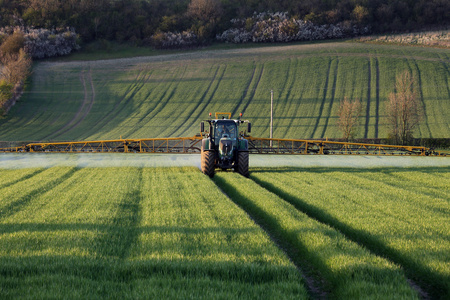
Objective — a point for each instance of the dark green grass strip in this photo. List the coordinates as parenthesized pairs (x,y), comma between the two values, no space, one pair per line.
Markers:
(348,270)
(75,278)
(435,285)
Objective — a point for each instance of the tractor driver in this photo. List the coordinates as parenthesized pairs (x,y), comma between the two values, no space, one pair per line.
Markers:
(224,129)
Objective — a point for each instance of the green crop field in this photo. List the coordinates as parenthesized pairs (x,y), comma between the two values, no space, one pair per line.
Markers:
(133,232)
(168,95)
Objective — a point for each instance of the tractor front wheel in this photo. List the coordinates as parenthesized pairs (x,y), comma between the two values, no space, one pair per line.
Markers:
(243,163)
(207,163)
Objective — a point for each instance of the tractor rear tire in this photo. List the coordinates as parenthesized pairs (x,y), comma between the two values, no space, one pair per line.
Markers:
(243,163)
(207,163)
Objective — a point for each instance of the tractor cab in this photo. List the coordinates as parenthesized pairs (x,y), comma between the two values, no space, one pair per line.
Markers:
(223,147)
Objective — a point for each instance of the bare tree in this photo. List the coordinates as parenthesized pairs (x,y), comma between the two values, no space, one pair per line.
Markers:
(349,113)
(403,109)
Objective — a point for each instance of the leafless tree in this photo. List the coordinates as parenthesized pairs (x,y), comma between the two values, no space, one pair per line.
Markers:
(403,109)
(349,113)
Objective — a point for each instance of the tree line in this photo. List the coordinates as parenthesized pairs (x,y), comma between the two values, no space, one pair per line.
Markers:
(138,20)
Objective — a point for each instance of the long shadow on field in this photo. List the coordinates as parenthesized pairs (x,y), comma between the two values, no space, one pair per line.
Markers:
(51,227)
(25,177)
(324,170)
(123,231)
(316,284)
(78,277)
(16,206)
(435,285)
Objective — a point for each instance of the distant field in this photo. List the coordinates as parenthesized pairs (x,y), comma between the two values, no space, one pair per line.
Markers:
(70,232)
(168,95)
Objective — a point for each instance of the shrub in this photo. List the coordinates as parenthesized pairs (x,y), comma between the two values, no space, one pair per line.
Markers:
(279,27)
(165,40)
(41,43)
(12,43)
(5,91)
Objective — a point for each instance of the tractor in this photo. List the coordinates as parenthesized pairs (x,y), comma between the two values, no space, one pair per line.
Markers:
(224,146)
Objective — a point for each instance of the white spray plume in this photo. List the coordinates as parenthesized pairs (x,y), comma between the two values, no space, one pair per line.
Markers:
(104,160)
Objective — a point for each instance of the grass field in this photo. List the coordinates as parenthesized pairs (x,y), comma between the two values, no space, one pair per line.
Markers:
(133,232)
(168,95)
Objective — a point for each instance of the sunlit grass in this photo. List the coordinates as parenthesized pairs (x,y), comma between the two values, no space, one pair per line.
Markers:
(168,95)
(134,233)
(402,214)
(349,270)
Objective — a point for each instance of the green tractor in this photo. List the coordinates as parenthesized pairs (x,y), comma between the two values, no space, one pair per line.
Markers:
(224,147)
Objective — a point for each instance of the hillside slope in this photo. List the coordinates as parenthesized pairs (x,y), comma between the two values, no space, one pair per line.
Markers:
(168,95)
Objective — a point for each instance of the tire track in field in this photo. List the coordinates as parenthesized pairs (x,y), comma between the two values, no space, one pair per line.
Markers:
(297,107)
(333,95)
(247,90)
(325,92)
(137,87)
(447,70)
(78,113)
(363,239)
(377,97)
(165,100)
(39,109)
(253,91)
(422,100)
(85,108)
(193,120)
(244,94)
(152,112)
(288,86)
(103,121)
(17,205)
(369,91)
(199,102)
(315,286)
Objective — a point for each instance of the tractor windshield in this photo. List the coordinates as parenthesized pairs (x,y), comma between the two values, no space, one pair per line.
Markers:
(225,129)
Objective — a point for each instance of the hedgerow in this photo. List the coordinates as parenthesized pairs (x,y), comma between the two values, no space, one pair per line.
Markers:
(41,43)
(279,27)
(164,40)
